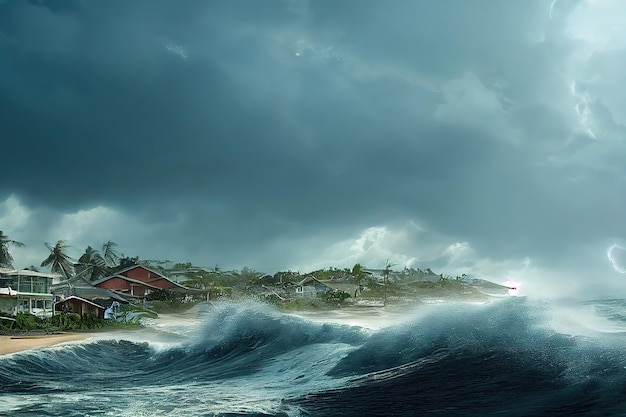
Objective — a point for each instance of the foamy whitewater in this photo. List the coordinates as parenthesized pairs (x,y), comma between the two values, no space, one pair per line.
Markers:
(513,357)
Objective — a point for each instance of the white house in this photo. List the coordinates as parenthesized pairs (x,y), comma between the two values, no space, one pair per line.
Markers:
(22,290)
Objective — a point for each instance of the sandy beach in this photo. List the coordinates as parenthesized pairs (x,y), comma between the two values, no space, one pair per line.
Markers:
(18,343)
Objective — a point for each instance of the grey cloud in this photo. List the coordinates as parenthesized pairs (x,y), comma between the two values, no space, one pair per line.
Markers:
(292,119)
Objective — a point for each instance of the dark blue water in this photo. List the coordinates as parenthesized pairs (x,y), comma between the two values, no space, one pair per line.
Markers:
(510,358)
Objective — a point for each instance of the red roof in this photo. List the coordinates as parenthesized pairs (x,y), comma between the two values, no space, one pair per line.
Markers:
(139,274)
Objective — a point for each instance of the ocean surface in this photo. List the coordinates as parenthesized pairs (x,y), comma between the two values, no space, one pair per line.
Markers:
(510,357)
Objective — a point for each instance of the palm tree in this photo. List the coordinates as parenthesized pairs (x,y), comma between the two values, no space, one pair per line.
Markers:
(58,260)
(91,264)
(204,282)
(358,274)
(386,277)
(110,256)
(6,259)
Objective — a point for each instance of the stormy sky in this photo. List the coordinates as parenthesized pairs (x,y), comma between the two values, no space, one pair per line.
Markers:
(481,137)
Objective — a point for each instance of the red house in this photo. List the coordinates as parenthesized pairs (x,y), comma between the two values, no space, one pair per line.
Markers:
(138,281)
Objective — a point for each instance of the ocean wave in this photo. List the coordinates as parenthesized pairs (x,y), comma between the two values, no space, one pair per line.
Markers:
(232,340)
(498,359)
(502,358)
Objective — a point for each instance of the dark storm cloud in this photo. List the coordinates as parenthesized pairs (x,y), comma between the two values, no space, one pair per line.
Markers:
(245,122)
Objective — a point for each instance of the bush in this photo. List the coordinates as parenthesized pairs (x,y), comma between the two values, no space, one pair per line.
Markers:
(59,322)
(166,295)
(90,321)
(27,321)
(166,307)
(65,321)
(336,296)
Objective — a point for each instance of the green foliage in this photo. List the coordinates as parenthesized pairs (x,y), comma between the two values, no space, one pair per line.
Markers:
(182,266)
(200,279)
(331,273)
(335,296)
(6,324)
(91,265)
(58,260)
(65,321)
(287,276)
(250,275)
(167,301)
(94,264)
(27,321)
(165,295)
(110,255)
(163,307)
(91,321)
(59,322)
(126,261)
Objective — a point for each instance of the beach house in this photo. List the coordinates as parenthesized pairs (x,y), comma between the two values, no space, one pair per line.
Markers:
(74,304)
(311,287)
(23,290)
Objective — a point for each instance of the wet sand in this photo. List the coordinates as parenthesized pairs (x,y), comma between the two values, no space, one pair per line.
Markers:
(18,343)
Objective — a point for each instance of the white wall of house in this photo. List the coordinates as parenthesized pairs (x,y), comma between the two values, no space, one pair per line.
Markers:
(25,291)
(38,305)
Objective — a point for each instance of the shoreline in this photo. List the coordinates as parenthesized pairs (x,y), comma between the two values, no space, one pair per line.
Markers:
(20,343)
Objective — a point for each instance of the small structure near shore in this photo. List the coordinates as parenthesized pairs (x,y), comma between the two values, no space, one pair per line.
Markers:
(311,287)
(74,304)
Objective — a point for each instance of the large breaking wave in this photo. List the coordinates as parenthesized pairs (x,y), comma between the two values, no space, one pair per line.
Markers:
(503,358)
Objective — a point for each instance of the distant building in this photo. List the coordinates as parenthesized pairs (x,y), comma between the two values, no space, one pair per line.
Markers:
(22,290)
(312,287)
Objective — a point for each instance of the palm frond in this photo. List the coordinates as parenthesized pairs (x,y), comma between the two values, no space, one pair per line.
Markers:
(110,255)
(58,260)
(5,256)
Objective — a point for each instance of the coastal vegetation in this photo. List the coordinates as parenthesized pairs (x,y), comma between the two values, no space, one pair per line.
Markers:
(62,322)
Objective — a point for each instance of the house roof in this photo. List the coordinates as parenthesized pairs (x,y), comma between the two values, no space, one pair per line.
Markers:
(343,286)
(310,278)
(73,297)
(331,285)
(176,284)
(27,272)
(71,283)
(159,276)
(125,278)
(130,268)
